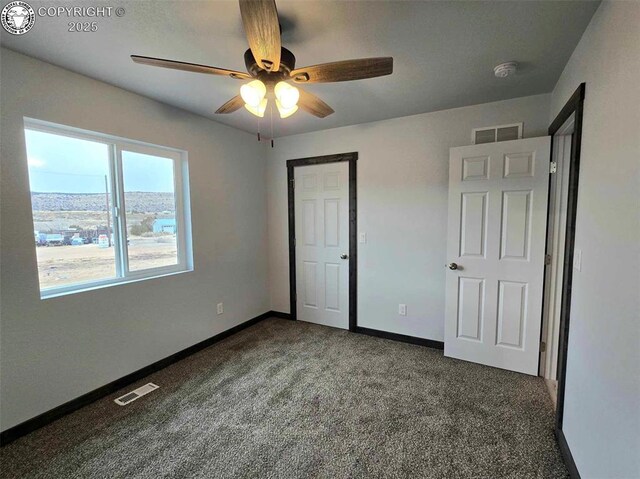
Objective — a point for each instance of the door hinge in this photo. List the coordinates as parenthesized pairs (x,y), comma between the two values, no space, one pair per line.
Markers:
(543,346)
(547,259)
(293,183)
(553,167)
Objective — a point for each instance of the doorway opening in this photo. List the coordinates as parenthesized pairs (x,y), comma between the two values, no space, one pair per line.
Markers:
(322,239)
(566,139)
(555,252)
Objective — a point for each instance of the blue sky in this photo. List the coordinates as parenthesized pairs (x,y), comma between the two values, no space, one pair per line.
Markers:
(59,164)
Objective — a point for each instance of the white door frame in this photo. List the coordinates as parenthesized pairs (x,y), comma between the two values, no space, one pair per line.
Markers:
(352,158)
(556,233)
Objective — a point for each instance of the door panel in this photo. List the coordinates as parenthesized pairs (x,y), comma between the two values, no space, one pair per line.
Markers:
(321,196)
(470,308)
(473,224)
(310,277)
(514,238)
(496,235)
(512,313)
(475,168)
(309,220)
(332,286)
(332,222)
(518,165)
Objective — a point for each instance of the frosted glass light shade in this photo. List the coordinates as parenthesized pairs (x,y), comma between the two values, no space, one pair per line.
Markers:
(286,94)
(259,110)
(285,112)
(253,93)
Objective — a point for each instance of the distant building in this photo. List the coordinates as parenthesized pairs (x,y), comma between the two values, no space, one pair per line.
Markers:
(165,225)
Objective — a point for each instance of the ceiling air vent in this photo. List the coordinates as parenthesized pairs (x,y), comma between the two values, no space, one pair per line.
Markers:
(492,134)
(135,394)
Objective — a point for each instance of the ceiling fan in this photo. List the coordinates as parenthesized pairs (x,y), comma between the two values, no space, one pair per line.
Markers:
(270,67)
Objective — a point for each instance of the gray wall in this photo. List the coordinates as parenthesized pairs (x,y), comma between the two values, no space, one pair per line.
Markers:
(57,349)
(602,402)
(403,171)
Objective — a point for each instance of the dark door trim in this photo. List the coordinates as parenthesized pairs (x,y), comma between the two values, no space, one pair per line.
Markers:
(352,158)
(574,105)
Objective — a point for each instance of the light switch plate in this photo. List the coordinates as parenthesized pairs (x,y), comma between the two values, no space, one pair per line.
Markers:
(402,309)
(363,238)
(577,259)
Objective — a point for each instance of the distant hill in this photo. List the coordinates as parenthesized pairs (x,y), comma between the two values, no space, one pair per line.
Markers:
(137,201)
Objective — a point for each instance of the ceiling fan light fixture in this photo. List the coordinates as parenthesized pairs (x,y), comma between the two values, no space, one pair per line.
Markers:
(286,94)
(270,67)
(253,93)
(257,110)
(285,112)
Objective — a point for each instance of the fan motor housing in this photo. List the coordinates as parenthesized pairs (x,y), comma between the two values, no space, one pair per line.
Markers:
(287,64)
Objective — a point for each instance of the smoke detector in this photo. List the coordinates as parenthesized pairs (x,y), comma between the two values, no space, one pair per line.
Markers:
(505,69)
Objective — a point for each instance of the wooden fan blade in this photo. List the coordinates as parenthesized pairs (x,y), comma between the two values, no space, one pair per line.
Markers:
(312,104)
(189,67)
(262,27)
(344,71)
(232,105)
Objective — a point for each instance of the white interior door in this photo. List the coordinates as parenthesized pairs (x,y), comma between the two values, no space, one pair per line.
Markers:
(321,195)
(496,237)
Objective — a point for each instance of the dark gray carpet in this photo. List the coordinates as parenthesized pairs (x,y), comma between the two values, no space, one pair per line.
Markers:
(290,399)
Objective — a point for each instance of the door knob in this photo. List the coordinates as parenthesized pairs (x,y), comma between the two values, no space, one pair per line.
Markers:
(452,266)
(344,256)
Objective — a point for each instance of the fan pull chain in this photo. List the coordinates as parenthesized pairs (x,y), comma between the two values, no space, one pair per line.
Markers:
(259,129)
(271,114)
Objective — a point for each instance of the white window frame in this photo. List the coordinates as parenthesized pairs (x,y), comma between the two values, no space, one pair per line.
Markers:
(118,207)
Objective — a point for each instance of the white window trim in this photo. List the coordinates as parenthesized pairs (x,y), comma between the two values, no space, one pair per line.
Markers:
(183,213)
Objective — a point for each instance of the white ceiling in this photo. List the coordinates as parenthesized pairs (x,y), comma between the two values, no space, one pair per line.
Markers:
(444,52)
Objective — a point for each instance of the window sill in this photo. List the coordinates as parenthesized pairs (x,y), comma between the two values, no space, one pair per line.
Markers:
(51,293)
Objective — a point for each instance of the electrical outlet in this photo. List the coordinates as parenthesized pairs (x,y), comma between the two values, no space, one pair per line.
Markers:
(220,308)
(402,309)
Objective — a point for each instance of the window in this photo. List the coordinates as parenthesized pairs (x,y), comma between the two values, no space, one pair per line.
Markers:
(105,210)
